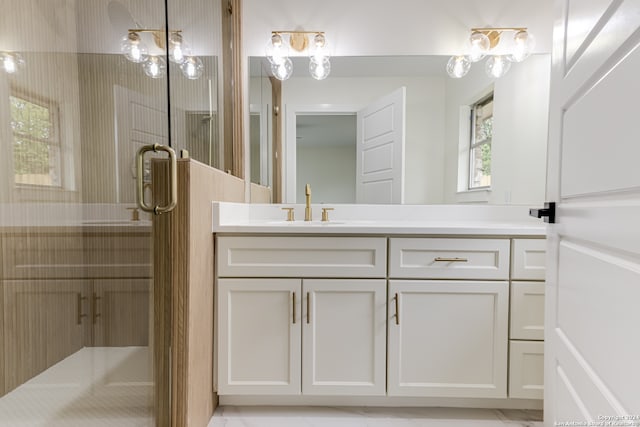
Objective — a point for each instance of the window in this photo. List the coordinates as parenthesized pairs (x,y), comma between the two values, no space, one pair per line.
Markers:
(480,143)
(36,142)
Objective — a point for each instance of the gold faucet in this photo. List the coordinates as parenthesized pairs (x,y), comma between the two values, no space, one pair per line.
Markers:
(307,209)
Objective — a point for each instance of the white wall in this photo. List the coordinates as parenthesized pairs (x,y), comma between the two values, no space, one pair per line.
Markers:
(424,122)
(330,172)
(521,101)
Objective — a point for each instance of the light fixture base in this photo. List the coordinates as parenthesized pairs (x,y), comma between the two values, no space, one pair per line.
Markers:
(298,41)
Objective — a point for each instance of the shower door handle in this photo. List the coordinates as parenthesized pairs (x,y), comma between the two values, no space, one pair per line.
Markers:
(173,179)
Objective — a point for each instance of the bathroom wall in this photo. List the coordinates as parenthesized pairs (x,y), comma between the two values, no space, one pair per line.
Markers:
(519,146)
(424,138)
(329,170)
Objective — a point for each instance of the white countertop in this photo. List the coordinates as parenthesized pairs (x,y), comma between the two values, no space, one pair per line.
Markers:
(233,218)
(88,217)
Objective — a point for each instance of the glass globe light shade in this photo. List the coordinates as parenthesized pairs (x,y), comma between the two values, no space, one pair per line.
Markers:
(458,66)
(283,70)
(319,70)
(523,44)
(192,67)
(178,49)
(479,45)
(133,48)
(319,48)
(154,67)
(497,66)
(11,61)
(277,51)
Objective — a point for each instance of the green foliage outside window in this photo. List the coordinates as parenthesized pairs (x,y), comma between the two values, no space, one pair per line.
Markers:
(34,145)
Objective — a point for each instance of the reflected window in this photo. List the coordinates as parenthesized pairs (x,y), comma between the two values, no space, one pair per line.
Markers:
(480,146)
(36,142)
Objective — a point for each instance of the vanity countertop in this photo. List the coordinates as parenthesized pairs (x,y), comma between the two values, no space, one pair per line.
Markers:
(238,218)
(71,218)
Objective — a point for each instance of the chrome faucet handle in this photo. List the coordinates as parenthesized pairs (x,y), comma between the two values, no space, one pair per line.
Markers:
(325,214)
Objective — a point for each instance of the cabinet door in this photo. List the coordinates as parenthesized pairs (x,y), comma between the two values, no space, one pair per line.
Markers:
(259,336)
(448,339)
(344,337)
(44,322)
(120,312)
(526,369)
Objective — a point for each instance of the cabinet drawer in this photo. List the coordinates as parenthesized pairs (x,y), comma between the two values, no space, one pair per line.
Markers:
(526,369)
(76,255)
(527,310)
(255,256)
(449,258)
(529,259)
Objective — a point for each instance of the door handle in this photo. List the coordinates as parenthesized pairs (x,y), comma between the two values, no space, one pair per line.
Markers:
(173,179)
(548,212)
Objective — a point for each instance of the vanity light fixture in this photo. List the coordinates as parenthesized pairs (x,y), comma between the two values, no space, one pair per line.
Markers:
(154,67)
(482,41)
(135,50)
(11,62)
(278,51)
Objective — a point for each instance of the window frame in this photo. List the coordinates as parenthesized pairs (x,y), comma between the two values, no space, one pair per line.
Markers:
(472,144)
(55,139)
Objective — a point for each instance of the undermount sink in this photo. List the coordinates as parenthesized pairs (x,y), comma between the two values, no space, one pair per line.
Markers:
(305,223)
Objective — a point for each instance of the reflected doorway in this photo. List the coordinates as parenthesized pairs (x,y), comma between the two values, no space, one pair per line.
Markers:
(325,157)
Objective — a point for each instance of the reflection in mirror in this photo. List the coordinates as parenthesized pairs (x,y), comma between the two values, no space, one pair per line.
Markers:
(436,122)
(325,155)
(261,126)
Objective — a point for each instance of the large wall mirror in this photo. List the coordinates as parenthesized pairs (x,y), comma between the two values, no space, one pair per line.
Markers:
(320,129)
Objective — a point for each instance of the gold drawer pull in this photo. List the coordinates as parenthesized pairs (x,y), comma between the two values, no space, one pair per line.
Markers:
(79,300)
(294,308)
(456,259)
(397,316)
(308,308)
(94,308)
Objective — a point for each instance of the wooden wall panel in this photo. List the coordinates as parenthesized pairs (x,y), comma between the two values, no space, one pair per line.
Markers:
(260,194)
(276,93)
(191,281)
(2,381)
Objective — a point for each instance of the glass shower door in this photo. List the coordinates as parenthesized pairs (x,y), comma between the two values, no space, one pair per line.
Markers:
(84,85)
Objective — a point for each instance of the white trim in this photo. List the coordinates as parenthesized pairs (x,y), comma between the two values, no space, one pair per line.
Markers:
(480,195)
(289,147)
(381,401)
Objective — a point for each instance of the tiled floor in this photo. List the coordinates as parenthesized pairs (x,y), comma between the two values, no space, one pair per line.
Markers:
(371,417)
(94,387)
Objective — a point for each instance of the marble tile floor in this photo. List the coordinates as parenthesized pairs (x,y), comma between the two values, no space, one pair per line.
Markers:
(231,416)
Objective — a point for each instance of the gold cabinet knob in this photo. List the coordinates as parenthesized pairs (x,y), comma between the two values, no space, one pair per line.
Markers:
(290,214)
(325,214)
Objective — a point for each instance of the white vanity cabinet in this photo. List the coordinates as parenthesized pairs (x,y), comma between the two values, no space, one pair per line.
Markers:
(431,318)
(526,340)
(448,337)
(314,334)
(259,335)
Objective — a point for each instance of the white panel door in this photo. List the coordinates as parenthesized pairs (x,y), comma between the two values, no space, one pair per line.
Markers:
(140,120)
(344,334)
(448,339)
(259,336)
(593,263)
(380,150)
